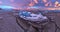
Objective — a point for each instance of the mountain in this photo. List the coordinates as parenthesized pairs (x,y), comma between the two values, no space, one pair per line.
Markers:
(6,7)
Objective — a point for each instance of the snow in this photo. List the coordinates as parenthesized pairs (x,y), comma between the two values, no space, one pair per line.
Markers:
(32,17)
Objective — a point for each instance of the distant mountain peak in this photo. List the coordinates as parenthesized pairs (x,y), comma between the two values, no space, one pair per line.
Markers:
(6,7)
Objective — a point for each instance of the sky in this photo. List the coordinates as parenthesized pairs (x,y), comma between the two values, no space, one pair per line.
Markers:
(23,3)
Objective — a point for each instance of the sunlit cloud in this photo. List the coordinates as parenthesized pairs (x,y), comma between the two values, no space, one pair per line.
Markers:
(36,1)
(31,3)
(44,1)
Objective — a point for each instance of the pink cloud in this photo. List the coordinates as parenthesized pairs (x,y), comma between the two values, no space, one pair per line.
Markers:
(0,2)
(12,0)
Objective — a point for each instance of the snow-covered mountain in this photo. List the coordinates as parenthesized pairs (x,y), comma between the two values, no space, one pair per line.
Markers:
(6,7)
